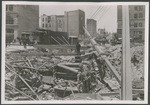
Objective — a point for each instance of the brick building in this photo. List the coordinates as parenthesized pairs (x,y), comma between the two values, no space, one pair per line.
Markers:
(21,18)
(92,26)
(136,20)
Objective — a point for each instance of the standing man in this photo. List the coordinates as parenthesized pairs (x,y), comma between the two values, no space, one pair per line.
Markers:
(24,42)
(78,46)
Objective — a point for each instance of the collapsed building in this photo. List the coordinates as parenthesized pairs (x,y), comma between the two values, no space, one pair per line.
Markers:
(61,74)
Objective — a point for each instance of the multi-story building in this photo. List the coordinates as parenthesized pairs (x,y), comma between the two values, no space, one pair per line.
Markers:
(53,22)
(136,20)
(74,22)
(71,22)
(92,27)
(21,18)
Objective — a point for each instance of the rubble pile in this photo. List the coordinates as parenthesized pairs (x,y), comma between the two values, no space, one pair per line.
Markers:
(137,62)
(47,77)
(30,77)
(40,75)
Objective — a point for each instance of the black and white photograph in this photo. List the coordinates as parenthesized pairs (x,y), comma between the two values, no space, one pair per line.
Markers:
(74,52)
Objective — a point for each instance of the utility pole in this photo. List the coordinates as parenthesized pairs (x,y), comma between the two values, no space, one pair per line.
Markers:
(126,84)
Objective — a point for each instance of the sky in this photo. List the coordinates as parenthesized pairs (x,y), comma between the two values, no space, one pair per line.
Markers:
(106,16)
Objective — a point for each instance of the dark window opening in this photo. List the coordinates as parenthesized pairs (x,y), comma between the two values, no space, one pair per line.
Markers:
(9,20)
(140,15)
(140,8)
(140,25)
(10,7)
(135,25)
(135,15)
(9,30)
(136,8)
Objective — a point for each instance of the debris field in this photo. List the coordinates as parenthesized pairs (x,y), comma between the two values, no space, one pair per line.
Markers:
(48,76)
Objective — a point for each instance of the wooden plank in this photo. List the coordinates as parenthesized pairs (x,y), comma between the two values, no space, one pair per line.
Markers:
(65,40)
(108,94)
(141,91)
(71,64)
(126,82)
(24,67)
(101,52)
(55,40)
(113,70)
(73,47)
(23,81)
(29,62)
(68,68)
(19,90)
(62,40)
(45,54)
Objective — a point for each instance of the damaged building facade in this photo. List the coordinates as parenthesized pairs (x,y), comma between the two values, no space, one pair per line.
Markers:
(21,18)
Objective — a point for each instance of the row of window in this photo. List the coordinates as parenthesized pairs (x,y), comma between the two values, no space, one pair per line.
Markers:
(140,15)
(46,25)
(138,32)
(138,8)
(49,19)
(59,24)
(9,30)
(140,24)
(9,7)
(45,19)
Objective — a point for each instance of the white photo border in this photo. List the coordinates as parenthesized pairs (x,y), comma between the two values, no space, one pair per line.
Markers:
(3,101)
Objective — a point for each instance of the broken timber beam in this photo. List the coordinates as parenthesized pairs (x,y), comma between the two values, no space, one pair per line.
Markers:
(68,68)
(7,83)
(71,64)
(102,54)
(113,70)
(138,91)
(29,62)
(46,54)
(23,81)
(108,94)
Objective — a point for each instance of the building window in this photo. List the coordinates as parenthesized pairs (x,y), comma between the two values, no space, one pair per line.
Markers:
(135,16)
(140,8)
(135,25)
(135,32)
(9,30)
(49,25)
(43,19)
(9,20)
(136,8)
(140,15)
(46,26)
(10,7)
(49,20)
(140,25)
(43,25)
(140,32)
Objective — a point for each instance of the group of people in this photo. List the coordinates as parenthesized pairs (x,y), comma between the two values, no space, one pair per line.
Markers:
(24,41)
